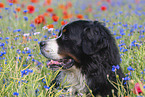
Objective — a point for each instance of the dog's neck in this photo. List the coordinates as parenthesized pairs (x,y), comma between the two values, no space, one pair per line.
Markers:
(75,79)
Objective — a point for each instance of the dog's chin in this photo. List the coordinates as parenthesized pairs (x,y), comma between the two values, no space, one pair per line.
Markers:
(64,63)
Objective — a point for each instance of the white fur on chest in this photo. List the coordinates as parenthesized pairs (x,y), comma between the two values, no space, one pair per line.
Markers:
(75,79)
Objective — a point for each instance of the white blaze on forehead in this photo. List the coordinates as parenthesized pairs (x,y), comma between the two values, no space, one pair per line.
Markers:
(51,49)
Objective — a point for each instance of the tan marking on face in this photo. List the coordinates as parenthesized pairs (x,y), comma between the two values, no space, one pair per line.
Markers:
(64,30)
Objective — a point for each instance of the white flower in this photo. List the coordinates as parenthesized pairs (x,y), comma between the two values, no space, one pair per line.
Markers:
(26,48)
(36,33)
(26,34)
(50,29)
(45,27)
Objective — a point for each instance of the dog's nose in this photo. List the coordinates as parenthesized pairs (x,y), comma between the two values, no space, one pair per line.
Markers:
(42,43)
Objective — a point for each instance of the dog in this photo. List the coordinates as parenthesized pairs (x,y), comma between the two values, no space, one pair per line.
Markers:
(85,50)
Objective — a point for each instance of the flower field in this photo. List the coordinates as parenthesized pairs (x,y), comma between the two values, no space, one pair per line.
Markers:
(24,23)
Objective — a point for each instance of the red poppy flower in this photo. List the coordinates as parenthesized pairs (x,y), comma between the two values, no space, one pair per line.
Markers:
(18,9)
(42,18)
(31,8)
(79,16)
(34,1)
(46,14)
(49,10)
(50,26)
(137,88)
(37,20)
(69,4)
(55,18)
(2,5)
(67,16)
(47,2)
(109,1)
(63,22)
(103,8)
(12,1)
(61,6)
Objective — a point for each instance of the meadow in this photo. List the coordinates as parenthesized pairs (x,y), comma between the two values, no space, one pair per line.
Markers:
(24,23)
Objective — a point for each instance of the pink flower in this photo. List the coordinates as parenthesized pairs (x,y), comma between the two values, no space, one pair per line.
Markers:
(137,89)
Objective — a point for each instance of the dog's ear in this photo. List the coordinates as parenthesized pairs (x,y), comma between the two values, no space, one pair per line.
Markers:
(94,38)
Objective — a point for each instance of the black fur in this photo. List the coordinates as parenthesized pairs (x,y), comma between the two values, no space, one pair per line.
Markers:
(95,49)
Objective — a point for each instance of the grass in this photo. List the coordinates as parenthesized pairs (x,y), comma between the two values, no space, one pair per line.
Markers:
(22,67)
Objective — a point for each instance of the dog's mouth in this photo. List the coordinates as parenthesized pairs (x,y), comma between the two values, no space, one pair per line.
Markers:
(65,63)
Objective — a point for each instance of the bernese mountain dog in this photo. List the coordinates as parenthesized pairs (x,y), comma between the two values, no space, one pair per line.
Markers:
(85,51)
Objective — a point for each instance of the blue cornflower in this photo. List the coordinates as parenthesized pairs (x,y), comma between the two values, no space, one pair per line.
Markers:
(18,30)
(130,68)
(2,44)
(25,11)
(30,55)
(2,53)
(25,65)
(124,25)
(15,93)
(10,4)
(25,18)
(115,67)
(32,25)
(33,60)
(118,37)
(120,23)
(131,30)
(28,51)
(43,80)
(124,50)
(133,43)
(53,34)
(141,36)
(122,33)
(29,70)
(121,44)
(35,39)
(104,19)
(6,8)
(140,26)
(121,30)
(45,36)
(127,78)
(120,12)
(114,33)
(23,52)
(135,26)
(1,17)
(7,38)
(18,51)
(46,87)
(114,23)
(26,72)
(36,91)
(56,30)
(14,12)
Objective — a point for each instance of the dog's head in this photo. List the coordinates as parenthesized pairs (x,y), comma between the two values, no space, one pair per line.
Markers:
(77,42)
